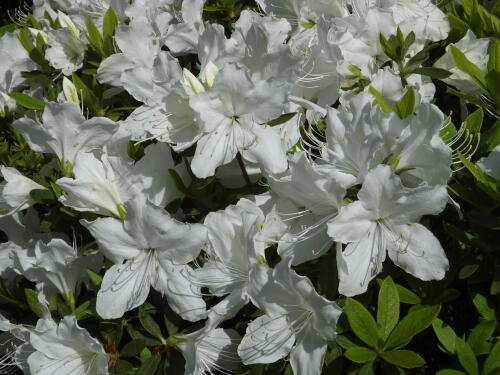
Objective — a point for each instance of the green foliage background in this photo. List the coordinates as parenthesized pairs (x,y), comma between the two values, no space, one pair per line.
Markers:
(401,325)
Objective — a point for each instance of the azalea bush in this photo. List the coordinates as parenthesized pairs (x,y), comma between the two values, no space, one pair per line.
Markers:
(252,187)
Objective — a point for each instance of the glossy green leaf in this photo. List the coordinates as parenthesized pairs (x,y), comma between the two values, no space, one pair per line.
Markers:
(436,73)
(150,324)
(27,101)
(360,354)
(445,334)
(479,336)
(412,324)
(388,307)
(403,358)
(468,67)
(407,104)
(32,300)
(492,362)
(133,348)
(466,357)
(362,322)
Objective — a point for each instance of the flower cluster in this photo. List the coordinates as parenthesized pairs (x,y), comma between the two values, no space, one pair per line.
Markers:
(212,166)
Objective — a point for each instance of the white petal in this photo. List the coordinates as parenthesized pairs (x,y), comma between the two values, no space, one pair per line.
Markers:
(308,354)
(267,340)
(125,287)
(183,297)
(352,223)
(113,240)
(419,253)
(360,262)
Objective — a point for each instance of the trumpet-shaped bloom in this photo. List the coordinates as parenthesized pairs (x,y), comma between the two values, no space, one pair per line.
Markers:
(385,220)
(67,349)
(58,266)
(156,249)
(65,132)
(104,186)
(317,195)
(232,115)
(15,191)
(234,250)
(66,51)
(491,163)
(297,321)
(362,137)
(209,349)
(476,51)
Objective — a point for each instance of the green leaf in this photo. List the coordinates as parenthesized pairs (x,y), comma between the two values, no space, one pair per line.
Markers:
(149,366)
(133,348)
(43,196)
(360,354)
(32,300)
(388,47)
(282,119)
(479,336)
(494,59)
(403,358)
(122,367)
(450,372)
(412,324)
(150,325)
(28,101)
(87,95)
(468,67)
(474,121)
(7,28)
(466,357)
(407,296)
(94,36)
(109,24)
(362,322)
(83,310)
(388,307)
(490,138)
(445,334)
(406,106)
(489,184)
(493,360)
(380,100)
(95,278)
(470,98)
(436,73)
(493,84)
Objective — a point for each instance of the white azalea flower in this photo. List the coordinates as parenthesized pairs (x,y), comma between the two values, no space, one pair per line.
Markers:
(385,219)
(209,349)
(297,321)
(476,50)
(55,348)
(104,185)
(422,17)
(491,163)
(58,266)
(233,252)
(15,60)
(231,115)
(156,249)
(66,349)
(182,37)
(65,132)
(15,191)
(362,137)
(317,195)
(66,51)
